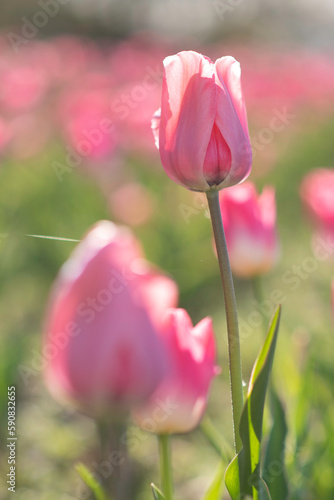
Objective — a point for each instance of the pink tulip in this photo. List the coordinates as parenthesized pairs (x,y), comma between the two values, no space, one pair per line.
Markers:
(202,131)
(131,204)
(134,117)
(88,125)
(22,87)
(101,345)
(180,400)
(250,227)
(317,195)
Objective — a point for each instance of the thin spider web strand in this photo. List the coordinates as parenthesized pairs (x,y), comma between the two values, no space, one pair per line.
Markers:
(45,237)
(52,237)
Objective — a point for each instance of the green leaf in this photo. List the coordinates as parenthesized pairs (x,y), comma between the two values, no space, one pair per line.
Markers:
(263,492)
(217,440)
(242,476)
(273,467)
(158,495)
(215,491)
(91,482)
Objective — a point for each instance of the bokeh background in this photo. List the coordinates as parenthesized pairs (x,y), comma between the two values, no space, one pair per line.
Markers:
(67,67)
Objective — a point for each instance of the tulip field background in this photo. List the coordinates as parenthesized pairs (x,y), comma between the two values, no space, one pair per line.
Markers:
(53,89)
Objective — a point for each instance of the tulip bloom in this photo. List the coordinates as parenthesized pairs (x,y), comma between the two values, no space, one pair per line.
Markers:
(202,130)
(22,86)
(180,400)
(101,345)
(250,228)
(317,194)
(86,122)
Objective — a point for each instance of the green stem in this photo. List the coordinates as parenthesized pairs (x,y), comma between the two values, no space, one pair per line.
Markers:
(110,433)
(165,466)
(231,315)
(104,434)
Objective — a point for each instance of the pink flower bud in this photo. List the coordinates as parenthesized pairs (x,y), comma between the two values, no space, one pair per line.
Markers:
(250,229)
(317,195)
(180,400)
(101,345)
(202,131)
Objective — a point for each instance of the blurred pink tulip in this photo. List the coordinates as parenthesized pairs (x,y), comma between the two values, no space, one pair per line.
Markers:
(179,402)
(317,194)
(138,59)
(133,109)
(131,204)
(202,132)
(250,227)
(101,347)
(88,124)
(21,87)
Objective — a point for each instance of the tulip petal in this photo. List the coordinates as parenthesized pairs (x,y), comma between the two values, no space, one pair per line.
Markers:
(231,119)
(217,161)
(203,333)
(155,126)
(186,385)
(228,71)
(158,293)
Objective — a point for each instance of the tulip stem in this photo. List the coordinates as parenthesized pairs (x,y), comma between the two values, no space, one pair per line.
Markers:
(165,466)
(231,315)
(110,434)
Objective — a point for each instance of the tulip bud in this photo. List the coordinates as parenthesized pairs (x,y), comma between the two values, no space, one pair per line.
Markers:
(202,130)
(250,229)
(103,351)
(180,400)
(317,195)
